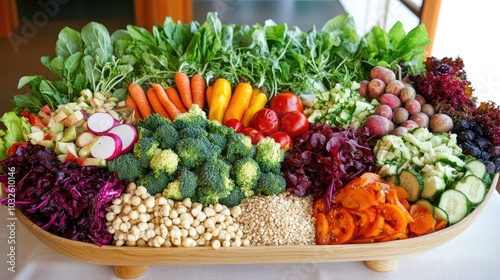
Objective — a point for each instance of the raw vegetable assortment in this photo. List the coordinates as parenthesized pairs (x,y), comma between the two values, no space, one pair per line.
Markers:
(367,138)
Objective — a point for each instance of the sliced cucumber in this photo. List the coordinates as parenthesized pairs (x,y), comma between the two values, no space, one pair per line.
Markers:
(473,188)
(450,159)
(455,204)
(433,186)
(427,204)
(412,182)
(476,167)
(394,179)
(440,214)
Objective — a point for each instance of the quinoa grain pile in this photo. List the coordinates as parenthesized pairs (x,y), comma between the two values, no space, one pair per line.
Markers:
(283,219)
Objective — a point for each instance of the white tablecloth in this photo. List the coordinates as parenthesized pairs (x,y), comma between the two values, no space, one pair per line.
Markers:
(474,254)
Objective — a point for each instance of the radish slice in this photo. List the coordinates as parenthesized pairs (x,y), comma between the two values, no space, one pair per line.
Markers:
(127,134)
(100,122)
(108,147)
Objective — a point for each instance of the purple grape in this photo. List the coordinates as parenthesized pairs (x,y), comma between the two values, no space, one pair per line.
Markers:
(490,166)
(461,125)
(466,135)
(483,143)
(473,151)
(494,151)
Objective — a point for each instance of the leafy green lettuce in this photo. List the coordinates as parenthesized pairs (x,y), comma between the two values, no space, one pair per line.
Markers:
(395,47)
(16,128)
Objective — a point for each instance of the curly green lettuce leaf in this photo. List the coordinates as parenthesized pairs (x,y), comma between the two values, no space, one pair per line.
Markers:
(16,128)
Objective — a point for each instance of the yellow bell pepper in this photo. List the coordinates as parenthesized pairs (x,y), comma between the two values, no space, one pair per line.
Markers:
(240,101)
(221,96)
(258,101)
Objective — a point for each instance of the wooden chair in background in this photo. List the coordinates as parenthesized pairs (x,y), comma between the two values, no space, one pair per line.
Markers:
(152,12)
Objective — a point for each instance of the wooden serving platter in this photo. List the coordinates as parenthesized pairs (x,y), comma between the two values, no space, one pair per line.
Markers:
(132,262)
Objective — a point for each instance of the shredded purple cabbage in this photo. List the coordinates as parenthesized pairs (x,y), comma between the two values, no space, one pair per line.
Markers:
(326,158)
(65,199)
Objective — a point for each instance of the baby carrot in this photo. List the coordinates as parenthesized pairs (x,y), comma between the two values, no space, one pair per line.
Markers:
(131,103)
(156,104)
(173,95)
(198,87)
(140,99)
(172,110)
(184,88)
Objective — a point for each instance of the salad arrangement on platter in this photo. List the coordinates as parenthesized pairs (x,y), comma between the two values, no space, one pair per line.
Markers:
(234,135)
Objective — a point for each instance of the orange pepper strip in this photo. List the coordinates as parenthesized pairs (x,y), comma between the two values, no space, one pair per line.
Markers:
(396,236)
(424,221)
(320,205)
(393,198)
(363,219)
(371,175)
(440,224)
(342,226)
(359,199)
(395,218)
(322,229)
(375,228)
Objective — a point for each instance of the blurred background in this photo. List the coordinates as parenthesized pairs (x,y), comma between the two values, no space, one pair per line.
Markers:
(463,28)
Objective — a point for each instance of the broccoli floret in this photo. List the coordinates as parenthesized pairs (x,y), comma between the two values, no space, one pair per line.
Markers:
(143,132)
(182,187)
(214,177)
(195,116)
(167,135)
(127,167)
(270,184)
(153,122)
(194,151)
(191,131)
(219,141)
(269,155)
(234,198)
(216,127)
(246,173)
(239,146)
(145,149)
(166,161)
(208,195)
(154,184)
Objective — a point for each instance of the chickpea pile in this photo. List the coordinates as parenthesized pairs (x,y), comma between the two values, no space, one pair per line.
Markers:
(137,218)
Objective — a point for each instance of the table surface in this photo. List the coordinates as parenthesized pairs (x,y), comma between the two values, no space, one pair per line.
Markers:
(474,254)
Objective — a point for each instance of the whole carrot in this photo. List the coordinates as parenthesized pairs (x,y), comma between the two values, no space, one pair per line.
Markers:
(140,99)
(172,110)
(156,104)
(198,87)
(131,103)
(209,91)
(174,96)
(184,88)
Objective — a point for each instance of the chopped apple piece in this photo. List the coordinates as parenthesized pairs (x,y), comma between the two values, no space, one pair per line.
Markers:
(65,147)
(50,144)
(69,134)
(36,136)
(56,127)
(91,161)
(85,150)
(84,139)
(73,119)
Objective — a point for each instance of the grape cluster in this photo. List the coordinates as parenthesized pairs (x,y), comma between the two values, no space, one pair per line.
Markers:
(473,141)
